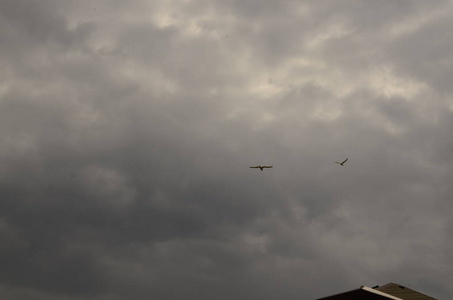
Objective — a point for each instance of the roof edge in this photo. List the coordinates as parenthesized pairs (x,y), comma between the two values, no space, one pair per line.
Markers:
(365,288)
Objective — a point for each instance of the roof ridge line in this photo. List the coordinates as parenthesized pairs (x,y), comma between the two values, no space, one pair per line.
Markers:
(368,289)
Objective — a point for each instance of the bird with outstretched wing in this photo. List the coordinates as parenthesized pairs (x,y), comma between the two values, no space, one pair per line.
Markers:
(341,163)
(261,167)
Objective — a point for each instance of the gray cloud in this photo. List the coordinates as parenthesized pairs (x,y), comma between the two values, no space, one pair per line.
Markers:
(127,132)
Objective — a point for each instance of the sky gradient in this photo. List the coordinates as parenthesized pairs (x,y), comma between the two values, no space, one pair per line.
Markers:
(127,129)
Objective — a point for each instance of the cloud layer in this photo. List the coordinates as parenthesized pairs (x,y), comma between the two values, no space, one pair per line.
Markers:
(127,131)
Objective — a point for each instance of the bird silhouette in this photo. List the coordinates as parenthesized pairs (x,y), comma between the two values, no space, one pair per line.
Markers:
(261,167)
(341,163)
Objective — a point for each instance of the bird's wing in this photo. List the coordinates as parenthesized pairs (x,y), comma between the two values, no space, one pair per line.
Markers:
(345,161)
(254,167)
(267,166)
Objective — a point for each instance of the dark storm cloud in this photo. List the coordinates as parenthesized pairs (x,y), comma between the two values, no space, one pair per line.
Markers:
(127,132)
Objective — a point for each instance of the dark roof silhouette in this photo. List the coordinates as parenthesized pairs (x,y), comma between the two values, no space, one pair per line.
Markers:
(403,292)
(388,291)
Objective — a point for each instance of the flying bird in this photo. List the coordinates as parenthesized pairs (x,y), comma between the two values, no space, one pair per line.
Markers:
(341,163)
(261,167)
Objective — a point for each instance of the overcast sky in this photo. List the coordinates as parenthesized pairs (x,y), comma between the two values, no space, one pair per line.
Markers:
(127,129)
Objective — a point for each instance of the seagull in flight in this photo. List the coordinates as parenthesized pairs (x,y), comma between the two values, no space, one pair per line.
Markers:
(261,167)
(341,163)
